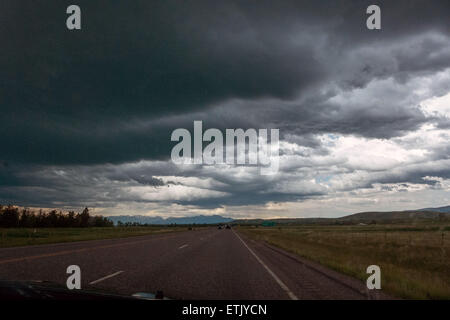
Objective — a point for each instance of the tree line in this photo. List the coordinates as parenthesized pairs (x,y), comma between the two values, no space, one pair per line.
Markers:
(13,217)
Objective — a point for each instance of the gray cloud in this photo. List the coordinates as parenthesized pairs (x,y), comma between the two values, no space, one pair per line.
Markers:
(90,104)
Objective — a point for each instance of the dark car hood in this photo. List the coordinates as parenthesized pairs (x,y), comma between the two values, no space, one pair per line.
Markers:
(43,290)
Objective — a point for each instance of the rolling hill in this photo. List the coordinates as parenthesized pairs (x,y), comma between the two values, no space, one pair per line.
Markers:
(445,209)
(395,215)
(364,217)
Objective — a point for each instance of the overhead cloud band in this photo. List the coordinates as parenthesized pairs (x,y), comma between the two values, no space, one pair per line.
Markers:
(86,116)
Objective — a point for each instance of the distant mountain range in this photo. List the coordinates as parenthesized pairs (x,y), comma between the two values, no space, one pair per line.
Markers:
(426,213)
(201,219)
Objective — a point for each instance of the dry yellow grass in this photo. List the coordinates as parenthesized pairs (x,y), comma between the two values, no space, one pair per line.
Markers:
(414,260)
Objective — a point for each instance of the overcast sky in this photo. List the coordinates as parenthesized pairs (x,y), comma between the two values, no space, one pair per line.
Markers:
(86,116)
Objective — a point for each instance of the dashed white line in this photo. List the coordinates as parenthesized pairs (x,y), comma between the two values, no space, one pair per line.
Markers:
(107,277)
(274,276)
(183,246)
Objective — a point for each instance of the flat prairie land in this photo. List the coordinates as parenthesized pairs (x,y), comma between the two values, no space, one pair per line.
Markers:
(13,237)
(414,258)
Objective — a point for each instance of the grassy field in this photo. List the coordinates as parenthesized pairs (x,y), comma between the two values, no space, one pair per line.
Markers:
(414,259)
(22,237)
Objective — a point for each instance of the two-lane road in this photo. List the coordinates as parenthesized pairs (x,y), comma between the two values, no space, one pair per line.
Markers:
(199,264)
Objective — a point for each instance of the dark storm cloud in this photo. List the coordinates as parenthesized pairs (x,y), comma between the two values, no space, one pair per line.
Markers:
(149,59)
(76,186)
(74,103)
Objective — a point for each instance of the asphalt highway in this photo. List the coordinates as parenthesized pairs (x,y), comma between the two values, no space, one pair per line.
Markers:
(197,264)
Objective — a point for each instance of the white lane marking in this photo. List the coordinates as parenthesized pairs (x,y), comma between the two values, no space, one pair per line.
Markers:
(183,246)
(274,276)
(107,277)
